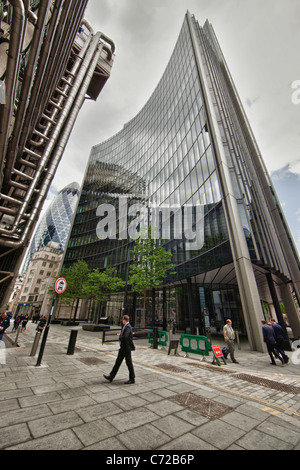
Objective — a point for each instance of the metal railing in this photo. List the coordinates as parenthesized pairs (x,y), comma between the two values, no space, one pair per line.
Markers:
(138,333)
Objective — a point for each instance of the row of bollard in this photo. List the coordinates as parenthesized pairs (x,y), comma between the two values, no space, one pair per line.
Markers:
(71,345)
(157,337)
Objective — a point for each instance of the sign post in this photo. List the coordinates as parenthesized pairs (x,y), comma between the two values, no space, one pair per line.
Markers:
(60,287)
(218,355)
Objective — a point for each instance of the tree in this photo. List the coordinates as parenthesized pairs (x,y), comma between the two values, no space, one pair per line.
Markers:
(151,265)
(76,277)
(100,284)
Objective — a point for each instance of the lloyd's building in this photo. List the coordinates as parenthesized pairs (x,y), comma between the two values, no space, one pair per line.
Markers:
(192,145)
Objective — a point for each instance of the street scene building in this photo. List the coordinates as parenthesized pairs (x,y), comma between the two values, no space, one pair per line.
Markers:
(192,145)
(36,295)
(51,60)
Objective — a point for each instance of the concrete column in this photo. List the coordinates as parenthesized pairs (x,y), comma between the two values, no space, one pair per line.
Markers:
(291,310)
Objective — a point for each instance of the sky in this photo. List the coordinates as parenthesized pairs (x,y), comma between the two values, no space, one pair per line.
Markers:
(260,40)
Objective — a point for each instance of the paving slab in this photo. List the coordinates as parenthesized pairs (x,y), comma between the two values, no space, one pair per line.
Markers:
(177,403)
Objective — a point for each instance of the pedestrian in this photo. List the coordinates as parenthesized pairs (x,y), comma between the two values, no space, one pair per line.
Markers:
(229,337)
(41,324)
(270,340)
(279,336)
(174,326)
(24,322)
(4,324)
(126,346)
(16,323)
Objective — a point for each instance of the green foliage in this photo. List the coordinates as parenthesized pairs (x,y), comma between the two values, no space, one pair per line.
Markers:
(82,283)
(151,264)
(76,277)
(100,284)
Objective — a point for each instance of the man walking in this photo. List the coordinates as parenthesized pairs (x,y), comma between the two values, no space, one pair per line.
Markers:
(126,346)
(270,340)
(279,336)
(4,324)
(229,337)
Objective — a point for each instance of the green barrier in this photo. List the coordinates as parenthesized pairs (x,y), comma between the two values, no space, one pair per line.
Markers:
(161,334)
(198,350)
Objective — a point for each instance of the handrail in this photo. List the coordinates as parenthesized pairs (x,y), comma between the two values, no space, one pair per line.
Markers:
(107,333)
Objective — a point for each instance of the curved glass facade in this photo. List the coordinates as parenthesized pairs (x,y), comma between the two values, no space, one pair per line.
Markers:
(56,223)
(188,146)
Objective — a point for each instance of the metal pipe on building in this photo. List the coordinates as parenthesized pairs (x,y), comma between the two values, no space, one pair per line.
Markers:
(26,85)
(12,74)
(63,121)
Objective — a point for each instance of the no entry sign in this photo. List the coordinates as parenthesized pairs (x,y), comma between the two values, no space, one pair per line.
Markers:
(60,285)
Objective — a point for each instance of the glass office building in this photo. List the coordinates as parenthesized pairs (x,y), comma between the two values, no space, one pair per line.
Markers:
(56,223)
(191,145)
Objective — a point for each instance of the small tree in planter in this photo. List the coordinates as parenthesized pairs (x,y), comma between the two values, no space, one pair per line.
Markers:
(76,277)
(99,284)
(151,265)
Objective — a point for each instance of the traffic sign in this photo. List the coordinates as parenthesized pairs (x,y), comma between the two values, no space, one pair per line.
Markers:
(217,351)
(60,285)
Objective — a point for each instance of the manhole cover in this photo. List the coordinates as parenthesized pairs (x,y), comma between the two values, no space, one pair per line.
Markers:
(171,368)
(282,387)
(91,361)
(208,408)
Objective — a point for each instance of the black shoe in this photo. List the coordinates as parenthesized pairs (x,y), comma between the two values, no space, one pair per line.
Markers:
(108,377)
(286,359)
(129,382)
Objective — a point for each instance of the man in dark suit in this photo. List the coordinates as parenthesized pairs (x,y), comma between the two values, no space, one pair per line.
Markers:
(126,346)
(4,323)
(279,336)
(270,340)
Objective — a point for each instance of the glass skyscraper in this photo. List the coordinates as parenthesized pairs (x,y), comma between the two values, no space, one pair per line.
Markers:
(191,145)
(56,223)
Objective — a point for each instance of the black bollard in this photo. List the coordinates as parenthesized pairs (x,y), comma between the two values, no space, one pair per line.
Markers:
(155,337)
(72,342)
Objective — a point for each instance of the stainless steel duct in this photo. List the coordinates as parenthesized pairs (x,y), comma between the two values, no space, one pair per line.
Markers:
(26,85)
(86,65)
(12,75)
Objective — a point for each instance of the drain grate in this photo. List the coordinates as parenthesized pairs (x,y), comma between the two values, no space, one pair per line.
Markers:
(208,408)
(171,368)
(282,387)
(91,361)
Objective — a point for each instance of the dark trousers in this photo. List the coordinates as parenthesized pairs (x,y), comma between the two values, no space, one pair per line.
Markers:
(280,348)
(271,351)
(121,355)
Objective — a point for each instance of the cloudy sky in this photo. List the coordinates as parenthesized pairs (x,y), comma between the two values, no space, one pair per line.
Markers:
(260,40)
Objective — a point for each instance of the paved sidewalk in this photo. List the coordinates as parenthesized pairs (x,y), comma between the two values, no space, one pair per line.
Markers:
(177,402)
